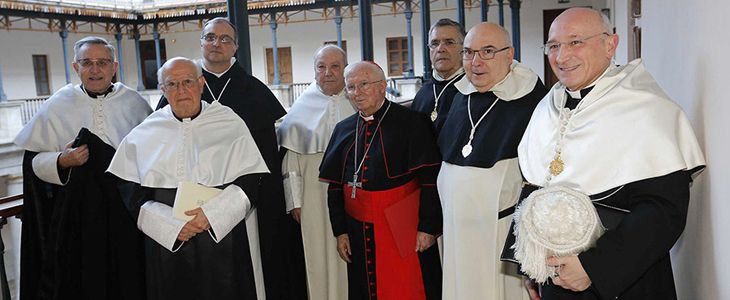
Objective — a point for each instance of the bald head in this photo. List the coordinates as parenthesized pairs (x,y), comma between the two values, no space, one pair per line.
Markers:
(365,85)
(329,65)
(583,46)
(181,81)
(491,46)
(373,71)
(496,32)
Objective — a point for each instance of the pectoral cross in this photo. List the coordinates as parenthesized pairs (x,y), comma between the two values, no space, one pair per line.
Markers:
(354,184)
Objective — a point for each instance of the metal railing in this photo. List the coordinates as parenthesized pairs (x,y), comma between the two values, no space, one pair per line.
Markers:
(30,107)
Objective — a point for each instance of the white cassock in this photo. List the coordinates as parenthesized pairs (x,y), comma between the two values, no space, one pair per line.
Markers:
(475,189)
(305,133)
(214,149)
(60,118)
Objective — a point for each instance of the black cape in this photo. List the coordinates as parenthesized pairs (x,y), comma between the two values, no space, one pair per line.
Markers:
(201,268)
(425,100)
(404,150)
(496,137)
(78,241)
(258,107)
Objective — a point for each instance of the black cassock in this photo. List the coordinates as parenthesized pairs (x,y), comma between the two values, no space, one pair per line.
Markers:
(425,100)
(78,241)
(282,254)
(403,150)
(617,267)
(201,268)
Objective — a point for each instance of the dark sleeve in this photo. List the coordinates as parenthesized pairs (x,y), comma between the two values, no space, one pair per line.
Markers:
(643,237)
(430,217)
(250,185)
(134,196)
(426,160)
(162,103)
(336,204)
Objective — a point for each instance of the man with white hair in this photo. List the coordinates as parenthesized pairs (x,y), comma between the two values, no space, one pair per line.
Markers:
(204,254)
(480,180)
(77,239)
(226,81)
(607,136)
(305,133)
(381,165)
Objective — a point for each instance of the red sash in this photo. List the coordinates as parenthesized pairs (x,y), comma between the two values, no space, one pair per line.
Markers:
(394,214)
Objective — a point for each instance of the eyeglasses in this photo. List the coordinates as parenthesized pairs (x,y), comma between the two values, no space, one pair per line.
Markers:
(553,47)
(484,53)
(223,39)
(88,63)
(363,86)
(447,42)
(173,85)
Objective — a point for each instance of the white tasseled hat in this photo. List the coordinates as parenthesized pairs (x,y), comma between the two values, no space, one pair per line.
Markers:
(553,221)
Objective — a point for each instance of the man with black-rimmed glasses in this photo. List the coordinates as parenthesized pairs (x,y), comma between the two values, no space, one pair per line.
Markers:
(445,39)
(479,179)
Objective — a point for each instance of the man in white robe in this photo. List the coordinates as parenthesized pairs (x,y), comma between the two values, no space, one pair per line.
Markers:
(612,135)
(305,133)
(207,257)
(479,181)
(67,198)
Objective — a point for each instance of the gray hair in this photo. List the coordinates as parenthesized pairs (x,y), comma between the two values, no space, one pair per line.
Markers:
(607,26)
(507,37)
(169,62)
(224,21)
(369,65)
(446,22)
(330,47)
(93,40)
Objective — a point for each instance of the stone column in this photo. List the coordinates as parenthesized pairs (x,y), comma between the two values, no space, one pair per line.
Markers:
(275,48)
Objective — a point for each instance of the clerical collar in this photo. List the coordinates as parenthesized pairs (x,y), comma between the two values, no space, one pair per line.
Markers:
(96,95)
(574,97)
(377,113)
(189,118)
(438,77)
(233,61)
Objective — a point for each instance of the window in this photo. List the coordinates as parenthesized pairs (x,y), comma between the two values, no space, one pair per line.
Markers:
(344,44)
(40,71)
(397,55)
(285,72)
(148,55)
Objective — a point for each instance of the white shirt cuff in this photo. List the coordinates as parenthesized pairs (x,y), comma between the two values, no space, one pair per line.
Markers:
(293,190)
(157,222)
(46,168)
(226,210)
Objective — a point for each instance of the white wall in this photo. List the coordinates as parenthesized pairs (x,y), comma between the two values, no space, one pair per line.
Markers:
(685,46)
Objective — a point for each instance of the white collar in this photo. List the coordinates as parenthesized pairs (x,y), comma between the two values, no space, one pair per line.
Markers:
(625,130)
(438,77)
(519,82)
(338,94)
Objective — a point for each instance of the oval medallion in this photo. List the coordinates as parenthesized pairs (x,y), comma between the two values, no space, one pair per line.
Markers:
(466,150)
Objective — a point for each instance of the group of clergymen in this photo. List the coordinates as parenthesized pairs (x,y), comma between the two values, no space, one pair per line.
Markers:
(573,192)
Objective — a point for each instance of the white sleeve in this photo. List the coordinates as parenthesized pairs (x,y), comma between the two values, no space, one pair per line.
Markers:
(45,166)
(293,181)
(157,222)
(226,210)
